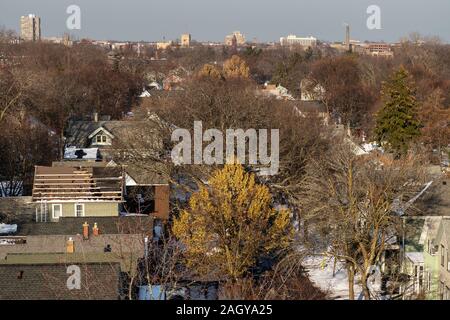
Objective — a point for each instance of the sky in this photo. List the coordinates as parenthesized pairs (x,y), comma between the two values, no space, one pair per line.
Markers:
(260,20)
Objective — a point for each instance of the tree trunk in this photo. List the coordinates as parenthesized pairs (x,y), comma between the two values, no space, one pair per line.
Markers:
(351,282)
(130,288)
(365,287)
(334,267)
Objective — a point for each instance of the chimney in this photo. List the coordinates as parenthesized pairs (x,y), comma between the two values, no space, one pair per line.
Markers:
(95,117)
(85,231)
(70,246)
(162,202)
(95,229)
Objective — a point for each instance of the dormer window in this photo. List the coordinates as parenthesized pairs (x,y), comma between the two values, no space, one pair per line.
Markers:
(101,138)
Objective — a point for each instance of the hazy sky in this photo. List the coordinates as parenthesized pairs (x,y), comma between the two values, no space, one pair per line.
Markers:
(265,20)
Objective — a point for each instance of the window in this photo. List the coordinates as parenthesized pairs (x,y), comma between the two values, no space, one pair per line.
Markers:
(100,138)
(57,211)
(79,210)
(448,264)
(442,255)
(420,278)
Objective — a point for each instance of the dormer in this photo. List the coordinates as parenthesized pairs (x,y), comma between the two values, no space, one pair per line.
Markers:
(101,137)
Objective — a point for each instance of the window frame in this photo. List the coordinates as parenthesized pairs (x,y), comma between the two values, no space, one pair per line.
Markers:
(101,138)
(75,209)
(53,210)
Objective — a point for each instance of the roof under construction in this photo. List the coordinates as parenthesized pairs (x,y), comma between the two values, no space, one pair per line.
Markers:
(81,184)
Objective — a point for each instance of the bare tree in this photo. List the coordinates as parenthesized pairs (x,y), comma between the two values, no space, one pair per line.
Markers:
(350,200)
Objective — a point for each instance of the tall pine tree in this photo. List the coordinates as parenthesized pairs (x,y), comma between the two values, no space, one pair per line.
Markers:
(396,122)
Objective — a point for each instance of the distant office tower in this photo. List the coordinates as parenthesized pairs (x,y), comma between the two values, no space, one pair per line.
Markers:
(293,40)
(185,40)
(347,36)
(240,38)
(30,28)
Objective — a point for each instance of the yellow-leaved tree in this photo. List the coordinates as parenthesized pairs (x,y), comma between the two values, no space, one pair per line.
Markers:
(236,67)
(210,71)
(230,223)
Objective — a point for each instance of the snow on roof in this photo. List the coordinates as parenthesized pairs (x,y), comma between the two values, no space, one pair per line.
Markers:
(155,85)
(8,228)
(356,149)
(145,94)
(80,153)
(368,147)
(415,257)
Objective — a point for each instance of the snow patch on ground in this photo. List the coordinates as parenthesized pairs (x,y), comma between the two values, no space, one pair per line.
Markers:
(320,270)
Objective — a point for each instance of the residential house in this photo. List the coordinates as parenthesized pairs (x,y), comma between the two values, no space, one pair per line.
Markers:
(174,79)
(311,91)
(442,249)
(77,192)
(135,146)
(98,189)
(431,230)
(431,258)
(106,249)
(277,91)
(114,139)
(419,257)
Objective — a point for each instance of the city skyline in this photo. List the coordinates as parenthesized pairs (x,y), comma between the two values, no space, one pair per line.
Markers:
(264,21)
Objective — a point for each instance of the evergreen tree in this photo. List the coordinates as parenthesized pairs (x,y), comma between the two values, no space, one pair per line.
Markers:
(396,123)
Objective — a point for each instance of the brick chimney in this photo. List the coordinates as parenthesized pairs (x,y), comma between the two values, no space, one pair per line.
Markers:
(85,231)
(70,246)
(162,202)
(95,229)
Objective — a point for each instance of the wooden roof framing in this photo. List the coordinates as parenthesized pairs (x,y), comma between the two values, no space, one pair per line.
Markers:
(78,184)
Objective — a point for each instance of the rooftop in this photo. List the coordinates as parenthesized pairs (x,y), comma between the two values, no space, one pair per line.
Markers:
(77,183)
(48,281)
(138,224)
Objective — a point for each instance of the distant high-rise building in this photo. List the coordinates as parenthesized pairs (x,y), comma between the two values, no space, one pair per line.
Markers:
(240,38)
(292,40)
(185,40)
(30,28)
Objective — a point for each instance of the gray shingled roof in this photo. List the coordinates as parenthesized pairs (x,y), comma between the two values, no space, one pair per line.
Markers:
(73,226)
(78,132)
(120,244)
(99,281)
(153,173)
